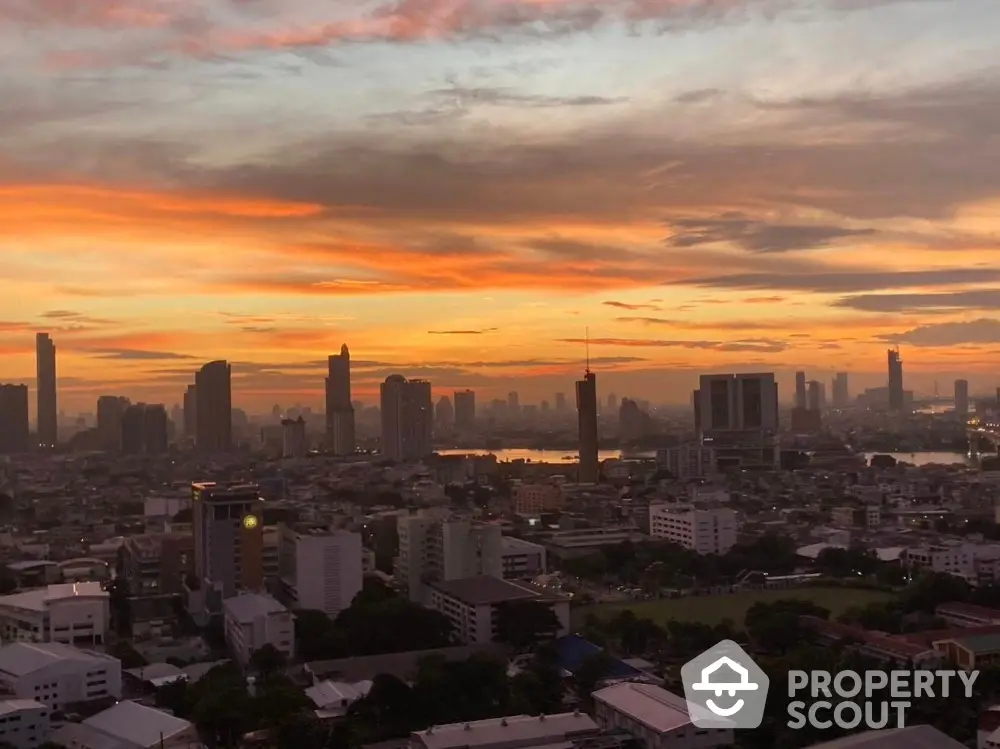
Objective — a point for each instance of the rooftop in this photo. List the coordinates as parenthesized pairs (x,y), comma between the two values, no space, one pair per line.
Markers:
(38,599)
(968,609)
(482,590)
(656,708)
(20,658)
(337,693)
(12,706)
(517,730)
(210,490)
(137,723)
(509,543)
(249,606)
(980,644)
(911,737)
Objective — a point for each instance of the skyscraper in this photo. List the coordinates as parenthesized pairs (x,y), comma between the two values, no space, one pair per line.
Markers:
(736,403)
(191,411)
(817,396)
(896,395)
(48,411)
(407,418)
(962,397)
(14,426)
(841,395)
(143,429)
(561,402)
(513,404)
(228,527)
(110,410)
(465,409)
(340,435)
(214,407)
(800,390)
(586,408)
(444,413)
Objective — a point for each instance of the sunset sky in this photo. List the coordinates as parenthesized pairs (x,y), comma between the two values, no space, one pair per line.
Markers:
(459,189)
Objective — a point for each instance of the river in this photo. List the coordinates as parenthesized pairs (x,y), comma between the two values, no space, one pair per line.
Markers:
(568,457)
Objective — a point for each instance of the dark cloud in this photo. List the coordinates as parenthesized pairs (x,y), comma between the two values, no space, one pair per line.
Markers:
(971,299)
(981,331)
(761,345)
(463,96)
(631,307)
(757,236)
(136,354)
(834,283)
(478,331)
(698,96)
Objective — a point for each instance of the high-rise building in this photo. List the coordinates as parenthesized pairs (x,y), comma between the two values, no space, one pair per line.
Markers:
(14,425)
(962,397)
(800,390)
(465,409)
(110,410)
(293,435)
(841,394)
(897,397)
(561,402)
(214,407)
(586,407)
(737,403)
(817,396)
(612,403)
(444,413)
(319,569)
(191,411)
(48,410)
(435,547)
(143,429)
(228,527)
(340,429)
(513,404)
(407,418)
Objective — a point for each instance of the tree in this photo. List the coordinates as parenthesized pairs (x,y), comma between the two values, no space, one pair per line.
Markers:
(538,688)
(525,624)
(277,700)
(776,626)
(267,661)
(591,671)
(385,712)
(127,654)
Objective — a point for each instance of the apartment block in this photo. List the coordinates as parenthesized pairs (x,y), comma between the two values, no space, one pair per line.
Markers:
(319,568)
(704,531)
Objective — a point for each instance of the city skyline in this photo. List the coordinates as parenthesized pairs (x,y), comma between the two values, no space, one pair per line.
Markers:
(705,189)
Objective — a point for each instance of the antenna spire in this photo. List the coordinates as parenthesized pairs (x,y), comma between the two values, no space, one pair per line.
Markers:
(587,345)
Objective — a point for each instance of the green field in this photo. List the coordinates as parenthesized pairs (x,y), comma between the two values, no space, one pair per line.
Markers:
(713,609)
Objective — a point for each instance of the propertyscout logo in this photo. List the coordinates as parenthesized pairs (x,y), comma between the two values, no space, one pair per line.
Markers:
(724,688)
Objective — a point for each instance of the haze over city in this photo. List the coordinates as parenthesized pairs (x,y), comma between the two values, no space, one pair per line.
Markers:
(459,190)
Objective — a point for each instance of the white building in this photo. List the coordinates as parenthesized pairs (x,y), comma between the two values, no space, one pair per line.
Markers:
(687,461)
(333,698)
(958,560)
(58,675)
(433,548)
(521,559)
(319,568)
(68,612)
(471,605)
(24,724)
(254,620)
(704,531)
(129,725)
(657,717)
(504,733)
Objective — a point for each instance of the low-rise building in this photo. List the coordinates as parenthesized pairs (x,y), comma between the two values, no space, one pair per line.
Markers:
(333,698)
(505,733)
(660,719)
(521,559)
(129,725)
(58,675)
(471,605)
(688,461)
(253,620)
(73,613)
(703,531)
(968,615)
(157,563)
(24,724)
(531,500)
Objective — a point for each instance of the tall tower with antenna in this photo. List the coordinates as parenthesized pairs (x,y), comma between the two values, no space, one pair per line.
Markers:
(586,408)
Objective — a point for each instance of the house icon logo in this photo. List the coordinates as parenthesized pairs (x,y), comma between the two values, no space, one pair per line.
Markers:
(724,688)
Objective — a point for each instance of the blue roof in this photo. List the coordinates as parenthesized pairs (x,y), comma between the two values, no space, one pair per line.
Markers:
(571,651)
